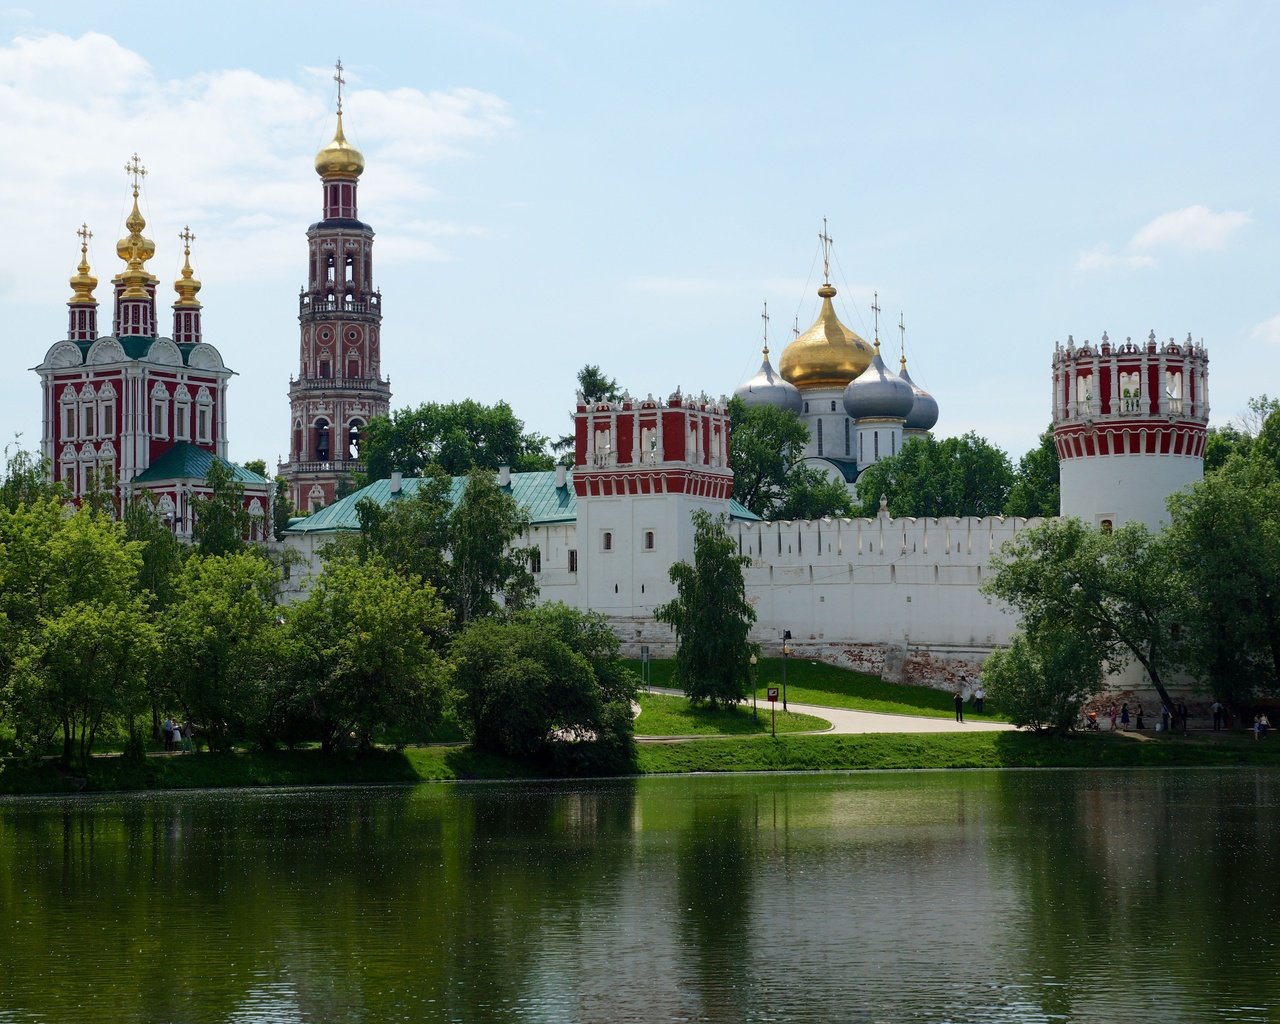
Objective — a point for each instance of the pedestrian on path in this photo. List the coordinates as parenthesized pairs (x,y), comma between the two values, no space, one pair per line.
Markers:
(979,696)
(959,699)
(1111,714)
(1138,724)
(1124,717)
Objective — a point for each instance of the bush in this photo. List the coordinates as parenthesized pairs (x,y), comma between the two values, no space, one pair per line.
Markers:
(1042,679)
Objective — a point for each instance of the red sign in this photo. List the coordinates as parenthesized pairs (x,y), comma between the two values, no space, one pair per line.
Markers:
(773,693)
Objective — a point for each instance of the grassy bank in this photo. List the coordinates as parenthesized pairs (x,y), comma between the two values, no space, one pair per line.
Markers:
(663,715)
(745,754)
(813,682)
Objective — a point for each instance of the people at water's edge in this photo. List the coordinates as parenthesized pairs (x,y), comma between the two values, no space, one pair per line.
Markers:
(959,701)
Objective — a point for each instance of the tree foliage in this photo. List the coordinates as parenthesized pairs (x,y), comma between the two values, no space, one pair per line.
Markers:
(363,652)
(221,520)
(769,475)
(1043,678)
(483,564)
(711,617)
(1118,592)
(547,682)
(957,476)
(594,386)
(1036,489)
(458,437)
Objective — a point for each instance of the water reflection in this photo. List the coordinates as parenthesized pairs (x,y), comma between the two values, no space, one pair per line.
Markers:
(1016,896)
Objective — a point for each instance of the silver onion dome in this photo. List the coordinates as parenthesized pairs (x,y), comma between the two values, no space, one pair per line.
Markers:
(879,394)
(768,388)
(924,414)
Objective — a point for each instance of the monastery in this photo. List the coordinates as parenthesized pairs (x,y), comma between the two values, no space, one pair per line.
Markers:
(894,596)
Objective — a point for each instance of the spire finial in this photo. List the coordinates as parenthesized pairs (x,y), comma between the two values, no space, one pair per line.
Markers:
(337,77)
(765,317)
(875,308)
(186,286)
(902,339)
(795,327)
(187,238)
(826,241)
(85,234)
(137,172)
(83,282)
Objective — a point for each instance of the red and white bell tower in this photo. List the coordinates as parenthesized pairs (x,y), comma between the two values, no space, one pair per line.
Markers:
(339,385)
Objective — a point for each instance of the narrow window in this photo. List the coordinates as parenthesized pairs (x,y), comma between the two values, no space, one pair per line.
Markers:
(847,449)
(608,540)
(876,443)
(1105,526)
(833,406)
(573,560)
(819,437)
(324,369)
(535,561)
(648,540)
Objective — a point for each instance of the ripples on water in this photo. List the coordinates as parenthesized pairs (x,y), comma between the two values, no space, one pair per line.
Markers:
(938,897)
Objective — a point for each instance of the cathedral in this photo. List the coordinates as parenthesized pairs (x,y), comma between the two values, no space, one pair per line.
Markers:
(133,412)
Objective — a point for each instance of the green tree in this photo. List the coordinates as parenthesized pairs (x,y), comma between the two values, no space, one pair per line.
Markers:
(221,520)
(1119,592)
(258,466)
(1223,442)
(482,562)
(1231,628)
(1036,489)
(457,437)
(363,653)
(958,476)
(711,617)
(162,552)
(547,682)
(594,386)
(1042,679)
(219,642)
(282,509)
(24,479)
(769,475)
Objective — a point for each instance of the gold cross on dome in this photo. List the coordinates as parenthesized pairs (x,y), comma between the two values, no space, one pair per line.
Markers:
(187,238)
(826,241)
(85,234)
(135,170)
(341,82)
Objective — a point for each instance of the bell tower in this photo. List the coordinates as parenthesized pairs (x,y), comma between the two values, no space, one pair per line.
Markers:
(339,385)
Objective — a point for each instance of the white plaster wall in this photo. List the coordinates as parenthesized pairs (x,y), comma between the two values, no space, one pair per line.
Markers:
(1125,488)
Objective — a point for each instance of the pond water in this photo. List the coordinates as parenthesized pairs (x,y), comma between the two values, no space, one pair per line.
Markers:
(960,896)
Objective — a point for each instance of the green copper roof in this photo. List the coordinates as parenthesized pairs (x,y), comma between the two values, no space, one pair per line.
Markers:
(848,467)
(535,492)
(185,461)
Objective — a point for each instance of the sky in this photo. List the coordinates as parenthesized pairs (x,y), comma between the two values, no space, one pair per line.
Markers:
(626,182)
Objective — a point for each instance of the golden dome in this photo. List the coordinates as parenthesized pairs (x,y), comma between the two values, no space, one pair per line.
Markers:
(828,354)
(82,282)
(135,250)
(339,159)
(188,284)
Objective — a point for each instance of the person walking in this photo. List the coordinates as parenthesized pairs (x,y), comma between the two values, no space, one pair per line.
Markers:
(979,696)
(189,736)
(1124,716)
(1216,709)
(959,701)
(167,727)
(1112,714)
(1264,726)
(1166,716)
(1182,715)
(1138,724)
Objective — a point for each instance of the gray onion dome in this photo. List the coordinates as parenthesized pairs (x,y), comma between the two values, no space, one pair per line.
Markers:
(768,388)
(924,414)
(878,394)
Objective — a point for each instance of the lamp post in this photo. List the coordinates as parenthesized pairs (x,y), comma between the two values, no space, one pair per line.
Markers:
(754,713)
(786,651)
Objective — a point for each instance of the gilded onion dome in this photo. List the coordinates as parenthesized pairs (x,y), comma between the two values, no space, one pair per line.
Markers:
(924,413)
(82,282)
(187,285)
(878,394)
(135,249)
(769,388)
(828,354)
(339,159)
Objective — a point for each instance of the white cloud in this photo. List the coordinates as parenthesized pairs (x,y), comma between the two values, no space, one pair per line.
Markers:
(1100,257)
(227,152)
(1193,227)
(1268,331)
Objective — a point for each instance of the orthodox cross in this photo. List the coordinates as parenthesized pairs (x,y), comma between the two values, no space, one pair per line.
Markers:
(826,241)
(765,317)
(875,308)
(187,238)
(902,336)
(85,234)
(341,82)
(795,327)
(136,171)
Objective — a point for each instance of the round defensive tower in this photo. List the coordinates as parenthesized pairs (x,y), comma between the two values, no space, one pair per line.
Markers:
(1129,422)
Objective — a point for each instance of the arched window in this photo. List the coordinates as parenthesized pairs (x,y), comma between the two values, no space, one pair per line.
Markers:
(67,410)
(107,411)
(315,499)
(159,411)
(182,414)
(819,437)
(322,440)
(875,440)
(847,448)
(204,416)
(297,439)
(607,540)
(88,397)
(355,434)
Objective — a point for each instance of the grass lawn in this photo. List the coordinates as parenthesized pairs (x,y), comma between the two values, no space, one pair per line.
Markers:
(663,715)
(810,682)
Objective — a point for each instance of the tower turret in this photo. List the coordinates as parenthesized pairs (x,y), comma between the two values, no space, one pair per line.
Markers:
(1129,423)
(82,307)
(135,286)
(186,311)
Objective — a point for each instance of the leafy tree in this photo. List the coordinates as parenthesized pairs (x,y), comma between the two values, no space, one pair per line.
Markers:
(1043,678)
(162,552)
(221,520)
(595,387)
(482,561)
(1036,489)
(457,437)
(1231,627)
(1118,591)
(282,509)
(958,476)
(711,617)
(1223,442)
(25,479)
(547,681)
(769,475)
(219,642)
(258,466)
(362,653)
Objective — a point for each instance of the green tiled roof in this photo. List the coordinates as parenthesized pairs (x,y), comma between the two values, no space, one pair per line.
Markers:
(186,461)
(848,468)
(535,492)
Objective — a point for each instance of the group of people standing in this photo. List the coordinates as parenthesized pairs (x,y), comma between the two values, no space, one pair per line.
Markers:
(178,737)
(978,696)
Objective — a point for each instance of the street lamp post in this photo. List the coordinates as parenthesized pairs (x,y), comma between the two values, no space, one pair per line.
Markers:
(754,713)
(786,651)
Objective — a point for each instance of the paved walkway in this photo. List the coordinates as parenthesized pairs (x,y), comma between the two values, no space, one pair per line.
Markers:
(844,721)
